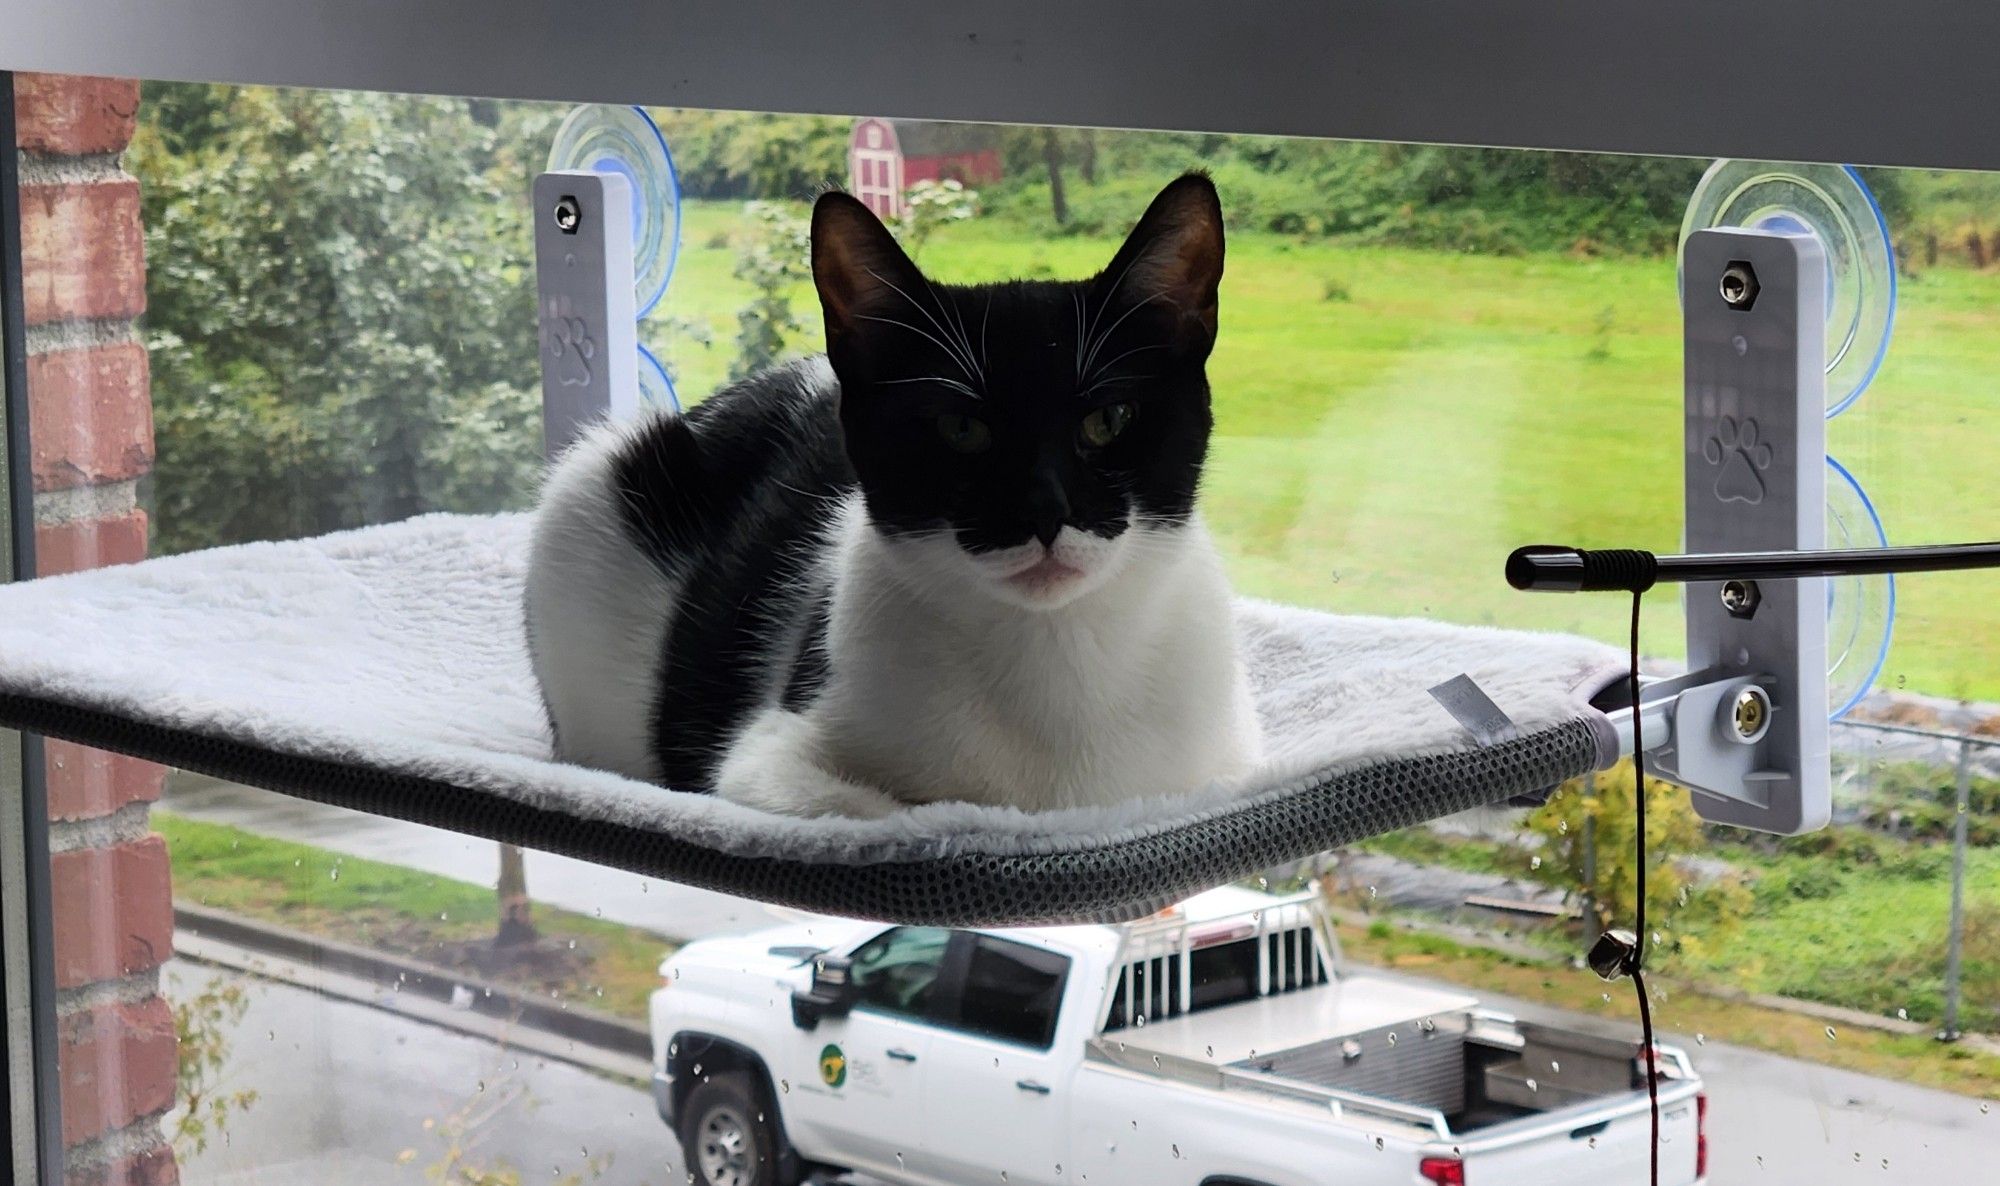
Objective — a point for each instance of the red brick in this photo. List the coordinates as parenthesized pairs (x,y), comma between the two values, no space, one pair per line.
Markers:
(85,783)
(89,543)
(117,1065)
(70,114)
(155,1167)
(82,252)
(113,911)
(90,415)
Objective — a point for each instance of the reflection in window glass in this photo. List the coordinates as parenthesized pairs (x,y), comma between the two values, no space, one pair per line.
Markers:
(309,311)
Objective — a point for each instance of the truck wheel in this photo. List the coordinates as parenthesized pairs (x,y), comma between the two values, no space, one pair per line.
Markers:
(729,1138)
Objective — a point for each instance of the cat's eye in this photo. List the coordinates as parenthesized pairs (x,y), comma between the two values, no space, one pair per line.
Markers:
(966,434)
(1102,427)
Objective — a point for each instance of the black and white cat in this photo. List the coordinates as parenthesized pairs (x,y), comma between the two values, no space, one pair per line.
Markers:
(956,558)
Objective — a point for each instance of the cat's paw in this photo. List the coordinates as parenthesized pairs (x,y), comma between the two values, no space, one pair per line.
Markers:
(771,768)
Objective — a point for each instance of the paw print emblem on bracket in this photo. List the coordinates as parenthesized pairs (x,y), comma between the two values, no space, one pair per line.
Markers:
(1742,458)
(570,344)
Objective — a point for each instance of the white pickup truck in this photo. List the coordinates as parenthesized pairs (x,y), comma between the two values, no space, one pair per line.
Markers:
(1218,1044)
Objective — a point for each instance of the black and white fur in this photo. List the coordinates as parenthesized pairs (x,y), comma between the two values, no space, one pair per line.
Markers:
(956,558)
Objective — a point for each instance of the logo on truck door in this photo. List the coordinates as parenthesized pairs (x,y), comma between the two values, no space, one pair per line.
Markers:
(832,1066)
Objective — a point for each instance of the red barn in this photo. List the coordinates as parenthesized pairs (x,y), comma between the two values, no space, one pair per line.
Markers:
(887,156)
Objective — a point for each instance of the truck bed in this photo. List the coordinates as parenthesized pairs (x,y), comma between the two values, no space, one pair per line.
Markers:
(1387,1048)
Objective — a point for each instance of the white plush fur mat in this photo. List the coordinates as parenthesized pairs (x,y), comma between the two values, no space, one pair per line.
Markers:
(401,648)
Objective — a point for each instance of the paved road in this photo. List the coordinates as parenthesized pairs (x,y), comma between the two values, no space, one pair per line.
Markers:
(343,1089)
(1809,1124)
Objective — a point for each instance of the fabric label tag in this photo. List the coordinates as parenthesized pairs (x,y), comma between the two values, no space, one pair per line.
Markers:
(1470,706)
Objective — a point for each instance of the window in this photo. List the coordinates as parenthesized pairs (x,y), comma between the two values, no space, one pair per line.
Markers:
(1013,992)
(897,971)
(262,314)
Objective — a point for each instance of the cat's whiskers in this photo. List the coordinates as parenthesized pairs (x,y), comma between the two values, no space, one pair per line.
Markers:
(1098,344)
(920,333)
(940,380)
(963,359)
(952,314)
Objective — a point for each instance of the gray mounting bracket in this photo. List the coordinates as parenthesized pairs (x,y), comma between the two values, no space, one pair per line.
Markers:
(584,301)
(1746,731)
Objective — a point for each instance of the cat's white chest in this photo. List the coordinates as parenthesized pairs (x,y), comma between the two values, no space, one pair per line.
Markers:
(1135,691)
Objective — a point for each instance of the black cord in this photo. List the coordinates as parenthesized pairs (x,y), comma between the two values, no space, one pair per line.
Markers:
(1639,911)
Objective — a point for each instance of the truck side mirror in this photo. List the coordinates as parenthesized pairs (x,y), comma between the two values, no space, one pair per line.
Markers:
(832,993)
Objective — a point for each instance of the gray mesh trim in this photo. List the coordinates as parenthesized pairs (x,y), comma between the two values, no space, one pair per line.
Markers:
(1094,880)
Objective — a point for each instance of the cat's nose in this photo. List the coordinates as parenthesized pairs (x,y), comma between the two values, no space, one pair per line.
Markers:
(1047,531)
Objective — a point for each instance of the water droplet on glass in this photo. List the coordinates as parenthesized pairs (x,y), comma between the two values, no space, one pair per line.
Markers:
(1985,1108)
(1606,996)
(1156,1062)
(899,1161)
(1701,1039)
(1534,862)
(1593,1142)
(1263,883)
(1211,1052)
(297,861)
(1534,1086)
(1378,1144)
(482,1085)
(1177,1152)
(598,911)
(572,945)
(1562,825)
(1371,893)
(697,1066)
(1555,1068)
(785,1085)
(1902,1015)
(1140,1021)
(1829,1033)
(1885,1163)
(444,916)
(333,874)
(1857,1155)
(1392,1037)
(270,1035)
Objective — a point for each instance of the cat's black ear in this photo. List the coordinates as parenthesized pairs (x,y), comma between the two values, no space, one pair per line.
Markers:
(1173,259)
(857,264)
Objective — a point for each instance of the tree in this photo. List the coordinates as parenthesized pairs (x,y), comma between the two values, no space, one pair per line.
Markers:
(341,310)
(1052,160)
(773,255)
(517,917)
(1589,833)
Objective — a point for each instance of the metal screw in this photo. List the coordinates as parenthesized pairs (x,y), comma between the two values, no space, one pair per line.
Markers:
(1751,713)
(568,214)
(1739,285)
(1740,598)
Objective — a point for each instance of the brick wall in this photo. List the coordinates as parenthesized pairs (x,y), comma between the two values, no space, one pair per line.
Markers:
(91,430)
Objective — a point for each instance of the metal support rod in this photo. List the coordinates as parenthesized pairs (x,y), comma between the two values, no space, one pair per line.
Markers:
(1568,570)
(1956,937)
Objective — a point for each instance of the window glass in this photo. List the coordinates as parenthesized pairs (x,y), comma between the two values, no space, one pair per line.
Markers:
(1012,992)
(259,314)
(897,971)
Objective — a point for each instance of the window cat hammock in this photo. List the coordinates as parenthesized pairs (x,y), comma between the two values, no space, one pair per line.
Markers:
(384,670)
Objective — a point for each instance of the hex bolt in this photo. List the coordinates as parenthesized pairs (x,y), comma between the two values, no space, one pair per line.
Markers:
(1738,285)
(1749,714)
(1741,598)
(568,214)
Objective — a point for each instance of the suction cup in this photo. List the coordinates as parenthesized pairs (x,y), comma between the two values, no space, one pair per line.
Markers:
(656,387)
(1860,611)
(624,140)
(1832,204)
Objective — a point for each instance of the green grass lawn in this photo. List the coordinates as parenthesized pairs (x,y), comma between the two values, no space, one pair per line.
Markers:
(1390,423)
(438,920)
